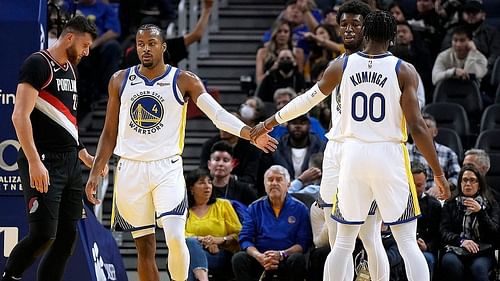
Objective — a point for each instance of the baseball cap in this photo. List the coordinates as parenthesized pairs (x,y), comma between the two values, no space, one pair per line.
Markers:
(473,6)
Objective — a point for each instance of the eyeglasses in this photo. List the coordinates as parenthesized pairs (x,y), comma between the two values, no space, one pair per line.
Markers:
(469,180)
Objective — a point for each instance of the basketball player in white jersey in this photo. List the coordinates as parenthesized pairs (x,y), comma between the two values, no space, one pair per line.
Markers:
(376,89)
(350,17)
(145,123)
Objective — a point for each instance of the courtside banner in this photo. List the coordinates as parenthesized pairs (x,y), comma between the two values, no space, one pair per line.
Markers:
(103,256)
(22,26)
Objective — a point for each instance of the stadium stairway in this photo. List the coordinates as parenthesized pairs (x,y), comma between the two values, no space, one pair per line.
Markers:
(232,54)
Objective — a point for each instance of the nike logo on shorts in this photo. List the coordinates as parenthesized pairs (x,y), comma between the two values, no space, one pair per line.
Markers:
(173,161)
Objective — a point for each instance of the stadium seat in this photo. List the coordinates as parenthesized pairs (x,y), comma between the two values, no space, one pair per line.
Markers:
(495,73)
(489,140)
(451,139)
(451,116)
(463,92)
(491,118)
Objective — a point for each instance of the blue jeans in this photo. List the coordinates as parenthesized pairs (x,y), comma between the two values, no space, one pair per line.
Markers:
(199,258)
(454,267)
(431,261)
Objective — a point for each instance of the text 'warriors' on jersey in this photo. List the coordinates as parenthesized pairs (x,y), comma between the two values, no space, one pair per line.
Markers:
(370,98)
(152,116)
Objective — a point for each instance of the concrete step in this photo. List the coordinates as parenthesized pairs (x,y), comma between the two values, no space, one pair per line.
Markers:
(208,69)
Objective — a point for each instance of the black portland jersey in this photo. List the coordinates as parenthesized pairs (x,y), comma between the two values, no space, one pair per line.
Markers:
(54,116)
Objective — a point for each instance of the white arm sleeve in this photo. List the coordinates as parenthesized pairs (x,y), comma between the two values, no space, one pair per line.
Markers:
(221,118)
(300,105)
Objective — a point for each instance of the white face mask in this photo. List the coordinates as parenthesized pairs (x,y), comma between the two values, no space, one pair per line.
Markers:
(247,112)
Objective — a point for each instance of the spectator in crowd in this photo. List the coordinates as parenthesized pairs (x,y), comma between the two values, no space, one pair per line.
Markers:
(252,111)
(469,229)
(295,148)
(245,155)
(276,233)
(285,75)
(481,160)
(308,181)
(177,47)
(323,45)
(411,49)
(462,60)
(282,97)
(428,24)
(397,11)
(330,18)
(212,228)
(281,38)
(224,184)
(428,223)
(486,38)
(448,159)
(105,54)
(303,17)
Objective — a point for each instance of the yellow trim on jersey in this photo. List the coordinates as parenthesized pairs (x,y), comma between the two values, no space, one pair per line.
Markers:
(182,128)
(113,205)
(404,132)
(411,183)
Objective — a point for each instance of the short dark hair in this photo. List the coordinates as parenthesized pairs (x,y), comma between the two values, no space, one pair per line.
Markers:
(222,146)
(152,27)
(418,168)
(191,178)
(461,29)
(354,7)
(80,24)
(379,26)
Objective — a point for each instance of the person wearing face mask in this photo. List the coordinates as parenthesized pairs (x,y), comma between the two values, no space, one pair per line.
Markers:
(252,111)
(286,75)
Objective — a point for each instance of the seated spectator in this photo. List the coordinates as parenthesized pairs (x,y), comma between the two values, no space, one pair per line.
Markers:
(177,47)
(212,228)
(253,111)
(324,45)
(448,159)
(428,24)
(285,75)
(397,11)
(282,97)
(276,234)
(462,60)
(224,184)
(246,155)
(281,38)
(295,148)
(486,37)
(308,181)
(469,229)
(481,160)
(428,223)
(303,17)
(410,48)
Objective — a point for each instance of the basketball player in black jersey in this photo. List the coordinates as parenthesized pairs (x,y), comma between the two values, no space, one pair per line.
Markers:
(45,121)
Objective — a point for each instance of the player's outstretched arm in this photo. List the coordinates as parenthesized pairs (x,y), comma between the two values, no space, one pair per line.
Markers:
(191,85)
(408,81)
(107,141)
(303,103)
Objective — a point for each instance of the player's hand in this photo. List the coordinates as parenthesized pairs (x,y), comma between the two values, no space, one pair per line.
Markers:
(91,189)
(258,130)
(443,187)
(266,143)
(39,176)
(104,171)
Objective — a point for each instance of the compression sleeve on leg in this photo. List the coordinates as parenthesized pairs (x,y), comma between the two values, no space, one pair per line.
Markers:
(300,105)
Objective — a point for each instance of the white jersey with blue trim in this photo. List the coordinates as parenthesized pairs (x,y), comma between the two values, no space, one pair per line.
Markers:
(152,116)
(335,109)
(370,99)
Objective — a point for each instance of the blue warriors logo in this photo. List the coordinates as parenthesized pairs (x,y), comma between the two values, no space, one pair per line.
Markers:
(146,113)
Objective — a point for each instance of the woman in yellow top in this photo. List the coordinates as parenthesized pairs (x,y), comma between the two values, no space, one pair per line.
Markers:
(212,227)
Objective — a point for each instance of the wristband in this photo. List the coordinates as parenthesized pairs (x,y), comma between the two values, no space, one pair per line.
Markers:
(441,176)
(265,128)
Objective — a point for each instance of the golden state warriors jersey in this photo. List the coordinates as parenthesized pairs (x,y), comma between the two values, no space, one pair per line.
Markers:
(152,116)
(370,99)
